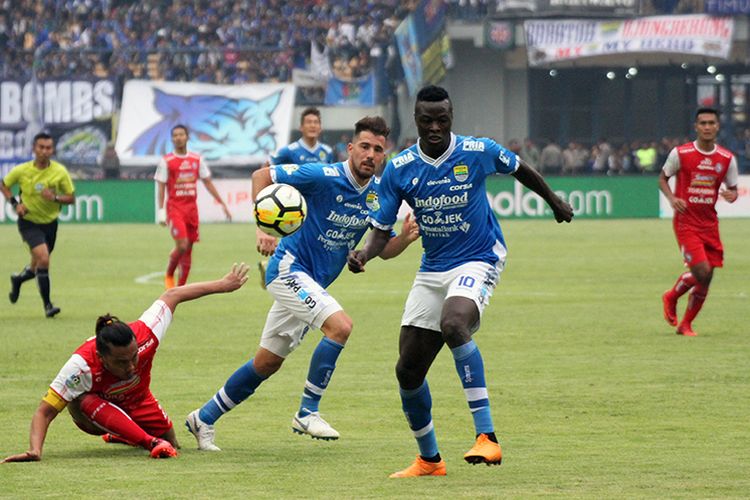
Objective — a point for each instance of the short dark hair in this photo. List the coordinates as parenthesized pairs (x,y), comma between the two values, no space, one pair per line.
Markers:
(707,110)
(309,111)
(41,136)
(183,127)
(110,331)
(432,93)
(374,124)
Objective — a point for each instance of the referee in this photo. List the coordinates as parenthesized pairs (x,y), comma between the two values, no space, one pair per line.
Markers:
(43,186)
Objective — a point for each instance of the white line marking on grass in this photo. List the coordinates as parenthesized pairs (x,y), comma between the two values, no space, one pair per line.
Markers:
(147,279)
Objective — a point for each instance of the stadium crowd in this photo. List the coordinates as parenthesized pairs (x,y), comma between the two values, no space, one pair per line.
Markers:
(217,41)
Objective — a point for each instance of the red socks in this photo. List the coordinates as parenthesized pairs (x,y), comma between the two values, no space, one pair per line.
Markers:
(684,283)
(695,302)
(185,262)
(114,420)
(174,259)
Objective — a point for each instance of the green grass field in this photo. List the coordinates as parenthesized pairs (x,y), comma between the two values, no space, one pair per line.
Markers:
(592,393)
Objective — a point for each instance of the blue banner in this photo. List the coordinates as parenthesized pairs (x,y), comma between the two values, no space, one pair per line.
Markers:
(359,92)
(406,39)
(727,7)
(429,21)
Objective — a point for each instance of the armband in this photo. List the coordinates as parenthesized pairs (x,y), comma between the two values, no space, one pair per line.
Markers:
(54,399)
(13,201)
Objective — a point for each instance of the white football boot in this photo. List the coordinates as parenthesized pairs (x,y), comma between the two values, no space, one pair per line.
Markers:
(314,425)
(203,432)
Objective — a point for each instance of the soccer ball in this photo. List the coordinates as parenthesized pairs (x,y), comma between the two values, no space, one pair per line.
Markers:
(280,210)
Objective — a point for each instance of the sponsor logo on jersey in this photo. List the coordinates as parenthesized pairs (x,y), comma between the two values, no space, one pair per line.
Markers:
(461,172)
(703,180)
(702,200)
(372,202)
(415,181)
(444,180)
(460,187)
(346,220)
(124,386)
(330,172)
(442,201)
(145,345)
(292,283)
(73,381)
(339,198)
(504,158)
(402,160)
(290,168)
(473,146)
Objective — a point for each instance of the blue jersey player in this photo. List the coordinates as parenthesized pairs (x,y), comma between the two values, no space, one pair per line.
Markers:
(307,149)
(341,198)
(442,178)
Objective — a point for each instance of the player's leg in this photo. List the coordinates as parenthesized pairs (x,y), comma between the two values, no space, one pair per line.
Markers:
(179,232)
(702,256)
(469,292)
(684,283)
(151,417)
(40,257)
(186,262)
(98,416)
(33,236)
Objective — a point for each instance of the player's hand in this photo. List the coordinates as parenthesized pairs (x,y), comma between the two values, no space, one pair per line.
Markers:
(22,457)
(21,210)
(410,229)
(678,205)
(265,243)
(356,261)
(161,216)
(729,194)
(562,210)
(48,194)
(236,277)
(227,213)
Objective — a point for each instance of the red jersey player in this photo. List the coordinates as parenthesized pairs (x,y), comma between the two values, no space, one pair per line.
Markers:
(105,383)
(178,174)
(701,167)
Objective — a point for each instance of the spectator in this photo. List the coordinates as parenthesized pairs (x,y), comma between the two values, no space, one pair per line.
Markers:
(551,159)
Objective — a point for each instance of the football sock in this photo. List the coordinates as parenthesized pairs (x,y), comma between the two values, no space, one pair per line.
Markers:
(695,302)
(238,387)
(174,259)
(470,368)
(322,364)
(684,283)
(111,418)
(185,261)
(25,275)
(42,279)
(417,406)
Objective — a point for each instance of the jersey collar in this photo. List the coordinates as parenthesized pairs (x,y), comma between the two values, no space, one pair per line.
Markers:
(352,180)
(436,162)
(303,144)
(695,145)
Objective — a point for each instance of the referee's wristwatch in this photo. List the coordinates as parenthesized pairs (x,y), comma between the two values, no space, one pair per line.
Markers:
(56,200)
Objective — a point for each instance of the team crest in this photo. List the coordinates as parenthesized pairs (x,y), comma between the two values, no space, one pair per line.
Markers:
(73,381)
(718,168)
(322,155)
(290,168)
(461,172)
(372,202)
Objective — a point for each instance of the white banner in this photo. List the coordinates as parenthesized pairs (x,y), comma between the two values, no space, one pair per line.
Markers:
(740,208)
(228,124)
(553,41)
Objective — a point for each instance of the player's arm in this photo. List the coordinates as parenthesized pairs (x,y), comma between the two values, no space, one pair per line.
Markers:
(18,205)
(730,194)
(534,181)
(374,246)
(43,417)
(397,244)
(264,243)
(678,204)
(212,189)
(233,280)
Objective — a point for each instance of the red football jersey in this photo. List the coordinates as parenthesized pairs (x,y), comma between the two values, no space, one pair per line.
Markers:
(84,371)
(699,177)
(181,175)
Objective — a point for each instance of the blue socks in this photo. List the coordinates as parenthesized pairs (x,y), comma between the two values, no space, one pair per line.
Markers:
(470,368)
(417,406)
(237,388)
(322,364)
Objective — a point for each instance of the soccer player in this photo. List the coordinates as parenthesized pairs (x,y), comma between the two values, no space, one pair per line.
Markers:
(105,383)
(442,178)
(340,198)
(43,185)
(701,167)
(306,149)
(177,174)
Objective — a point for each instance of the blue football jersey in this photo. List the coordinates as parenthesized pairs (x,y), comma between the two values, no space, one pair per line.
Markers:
(449,200)
(298,153)
(338,211)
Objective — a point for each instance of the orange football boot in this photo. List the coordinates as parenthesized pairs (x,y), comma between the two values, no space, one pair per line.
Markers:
(168,281)
(113,439)
(484,451)
(421,467)
(162,449)
(670,308)
(686,330)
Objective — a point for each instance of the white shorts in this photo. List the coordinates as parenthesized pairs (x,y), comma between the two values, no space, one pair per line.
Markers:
(473,280)
(300,304)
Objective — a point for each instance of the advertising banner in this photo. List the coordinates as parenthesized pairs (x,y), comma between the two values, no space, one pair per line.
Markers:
(360,92)
(727,7)
(228,124)
(75,106)
(560,40)
(570,8)
(740,208)
(590,197)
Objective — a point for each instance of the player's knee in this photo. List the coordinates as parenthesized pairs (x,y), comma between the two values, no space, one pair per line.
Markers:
(455,330)
(409,377)
(338,327)
(267,366)
(703,275)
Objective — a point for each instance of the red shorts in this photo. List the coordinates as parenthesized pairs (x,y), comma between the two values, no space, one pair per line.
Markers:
(150,416)
(700,245)
(183,225)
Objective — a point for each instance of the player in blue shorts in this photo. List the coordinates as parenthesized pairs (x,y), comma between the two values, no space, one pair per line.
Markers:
(307,149)
(341,198)
(442,178)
